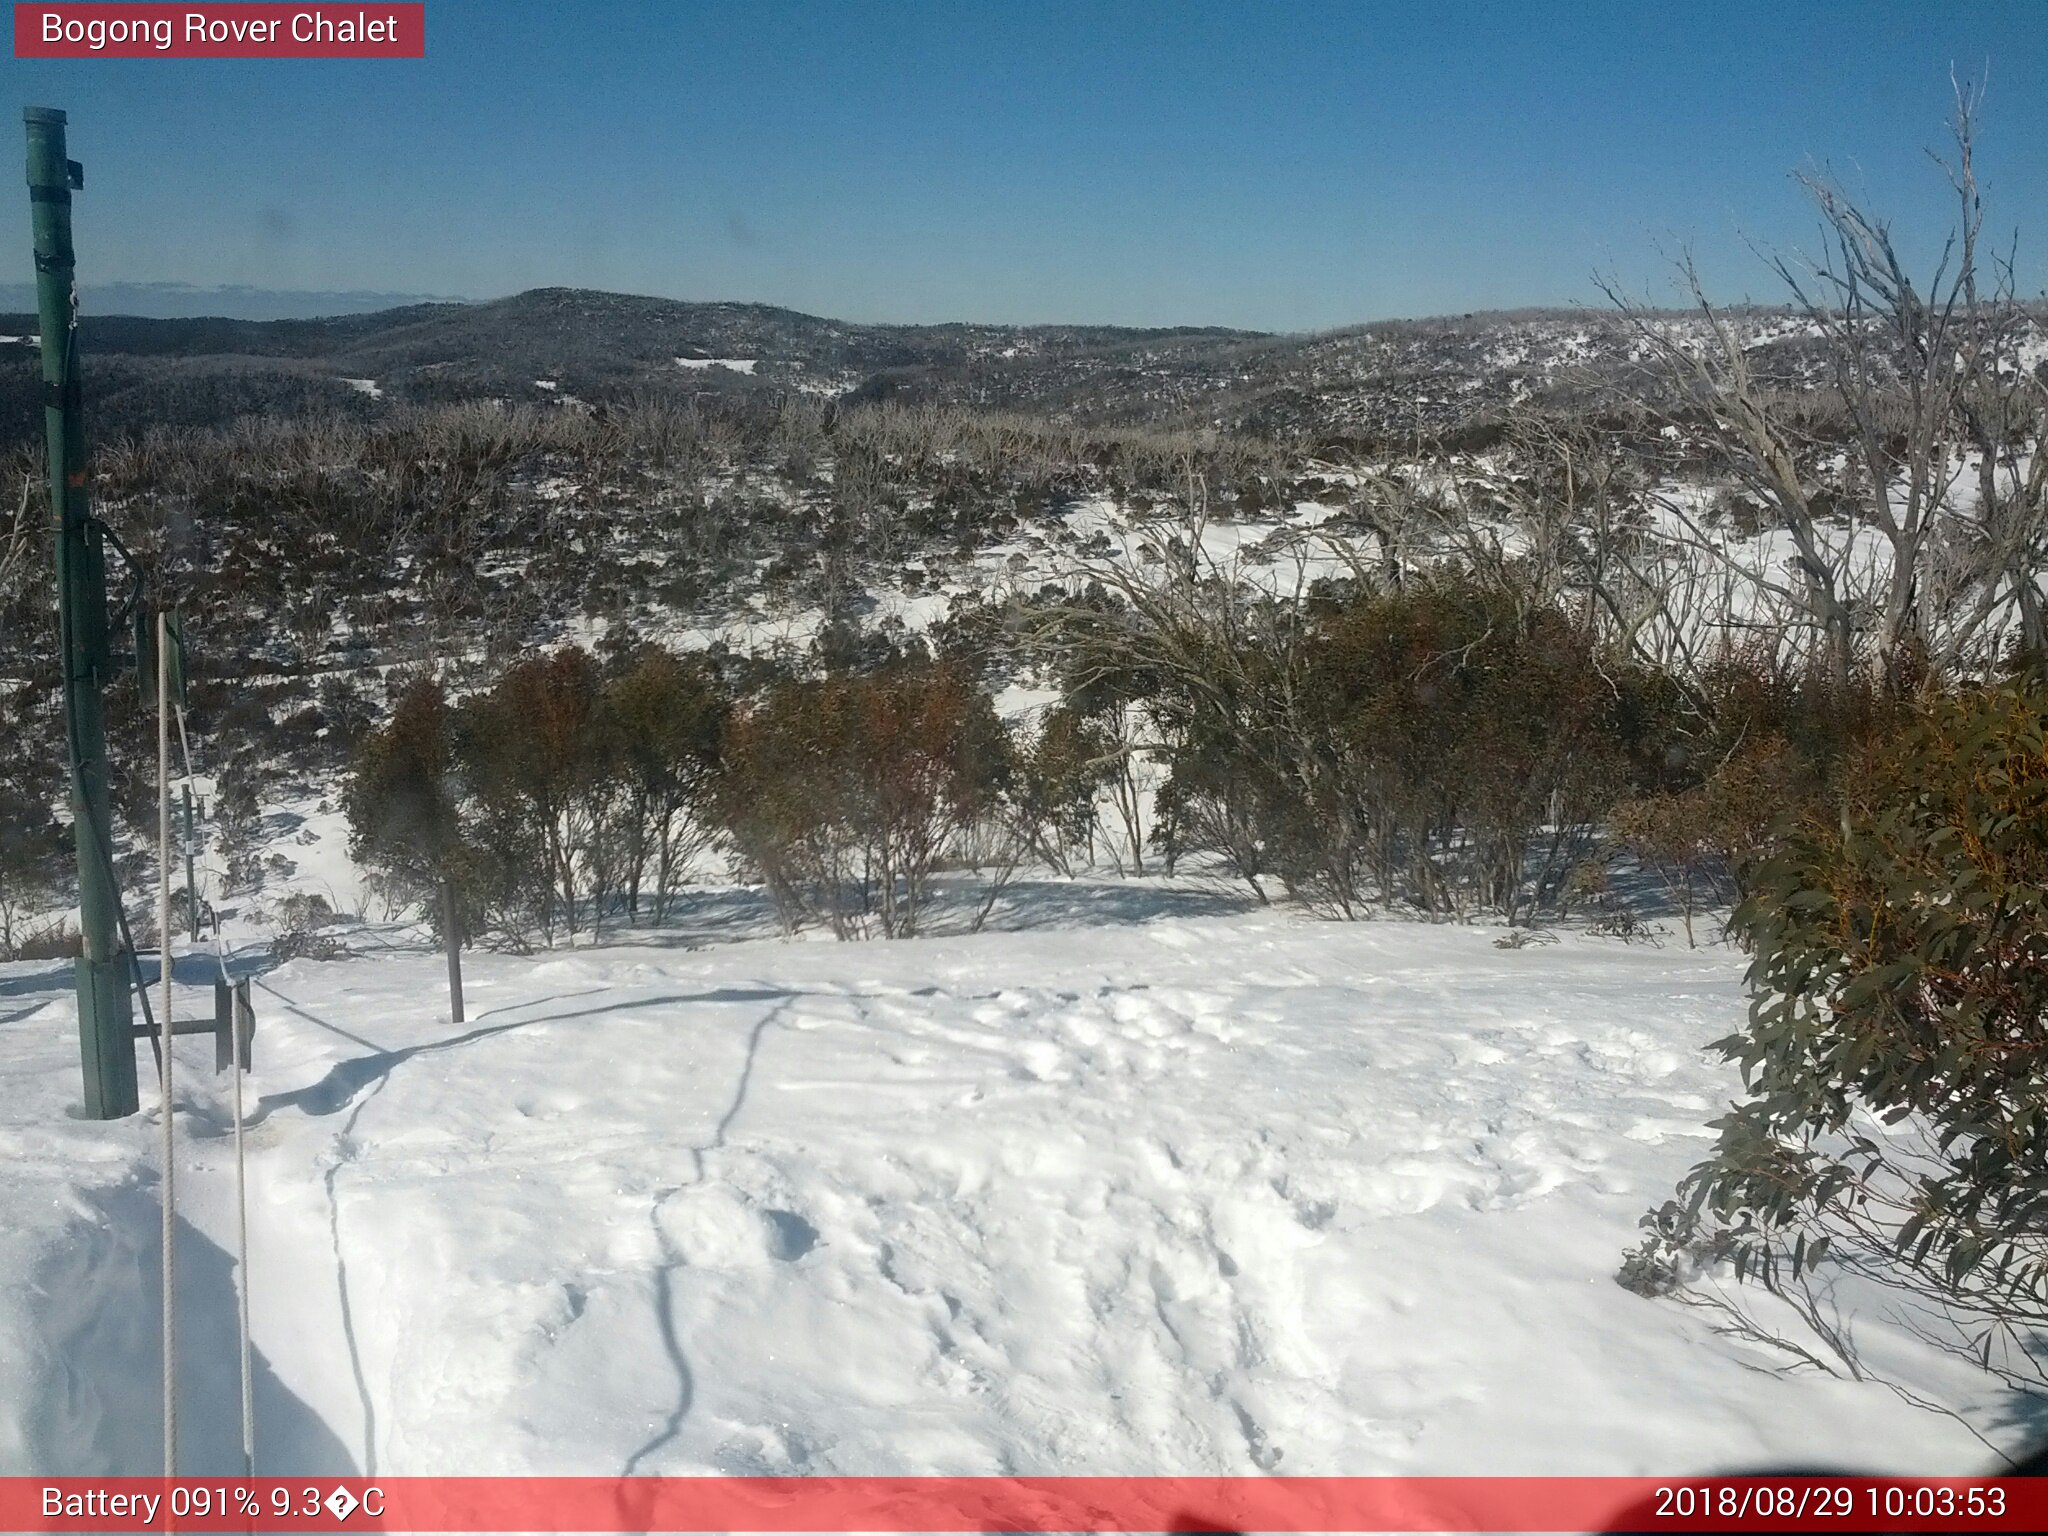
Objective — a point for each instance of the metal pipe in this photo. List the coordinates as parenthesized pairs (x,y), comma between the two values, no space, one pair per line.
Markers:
(106,1046)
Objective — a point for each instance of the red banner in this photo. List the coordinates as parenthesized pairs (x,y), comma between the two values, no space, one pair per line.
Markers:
(1024,1504)
(216,31)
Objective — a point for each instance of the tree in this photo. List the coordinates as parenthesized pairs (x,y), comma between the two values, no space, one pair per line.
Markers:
(405,819)
(1927,443)
(847,793)
(1058,778)
(665,715)
(539,760)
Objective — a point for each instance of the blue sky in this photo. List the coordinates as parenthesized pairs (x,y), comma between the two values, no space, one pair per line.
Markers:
(1273,165)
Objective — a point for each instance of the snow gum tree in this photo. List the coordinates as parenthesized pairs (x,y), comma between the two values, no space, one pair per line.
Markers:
(846,794)
(1907,494)
(536,753)
(665,715)
(406,824)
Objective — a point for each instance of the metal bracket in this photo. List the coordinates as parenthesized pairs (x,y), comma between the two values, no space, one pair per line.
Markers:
(131,610)
(233,1026)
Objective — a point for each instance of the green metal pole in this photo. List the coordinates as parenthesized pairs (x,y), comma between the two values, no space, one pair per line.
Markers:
(105,1038)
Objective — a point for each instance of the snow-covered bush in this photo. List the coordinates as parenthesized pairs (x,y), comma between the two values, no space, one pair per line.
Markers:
(299,919)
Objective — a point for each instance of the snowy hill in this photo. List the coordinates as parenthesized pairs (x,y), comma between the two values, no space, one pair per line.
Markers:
(1390,380)
(140,371)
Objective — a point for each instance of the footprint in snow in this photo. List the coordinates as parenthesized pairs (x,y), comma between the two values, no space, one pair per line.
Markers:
(790,1237)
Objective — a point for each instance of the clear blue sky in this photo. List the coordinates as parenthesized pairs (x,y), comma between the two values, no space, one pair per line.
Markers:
(1253,162)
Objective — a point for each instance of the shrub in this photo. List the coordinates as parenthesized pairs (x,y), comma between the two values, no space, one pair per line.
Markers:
(31,863)
(1896,1052)
(1448,745)
(845,794)
(300,917)
(1067,763)
(55,940)
(239,823)
(1675,836)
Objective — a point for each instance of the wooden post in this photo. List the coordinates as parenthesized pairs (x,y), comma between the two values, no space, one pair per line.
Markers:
(451,937)
(245,1027)
(191,885)
(224,1022)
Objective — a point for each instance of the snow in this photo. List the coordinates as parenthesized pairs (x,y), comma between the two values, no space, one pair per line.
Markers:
(318,851)
(1145,1182)
(1148,1182)
(736,364)
(368,387)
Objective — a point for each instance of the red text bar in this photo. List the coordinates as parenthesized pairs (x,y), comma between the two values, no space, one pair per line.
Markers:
(1024,1504)
(117,31)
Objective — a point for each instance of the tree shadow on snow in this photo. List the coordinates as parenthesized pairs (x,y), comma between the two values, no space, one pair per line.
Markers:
(346,1080)
(1034,904)
(56,980)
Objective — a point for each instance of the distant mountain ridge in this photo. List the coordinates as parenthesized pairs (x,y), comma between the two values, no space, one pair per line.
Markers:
(542,322)
(562,345)
(234,301)
(545,344)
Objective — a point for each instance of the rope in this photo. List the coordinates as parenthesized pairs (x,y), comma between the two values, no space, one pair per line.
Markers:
(241,1159)
(169,1186)
(242,1253)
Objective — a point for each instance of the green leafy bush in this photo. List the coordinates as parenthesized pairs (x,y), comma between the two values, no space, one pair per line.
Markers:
(1896,1053)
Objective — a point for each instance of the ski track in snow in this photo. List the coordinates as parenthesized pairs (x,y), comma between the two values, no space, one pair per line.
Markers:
(1237,1194)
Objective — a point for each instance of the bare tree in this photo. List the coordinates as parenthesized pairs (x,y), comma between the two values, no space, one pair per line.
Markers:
(1929,449)
(15,540)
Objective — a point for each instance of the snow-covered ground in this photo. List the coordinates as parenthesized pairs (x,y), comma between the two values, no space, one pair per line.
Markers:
(1149,1183)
